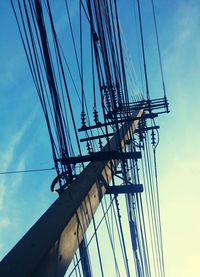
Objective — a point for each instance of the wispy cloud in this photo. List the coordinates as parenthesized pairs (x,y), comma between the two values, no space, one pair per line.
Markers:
(7,78)
(2,194)
(181,53)
(4,222)
(18,178)
(9,185)
(12,70)
(7,157)
(187,20)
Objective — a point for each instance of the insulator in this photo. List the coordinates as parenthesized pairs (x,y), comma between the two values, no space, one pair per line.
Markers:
(100,144)
(166,104)
(119,94)
(141,144)
(107,98)
(153,138)
(117,203)
(95,116)
(141,136)
(83,119)
(114,97)
(142,123)
(89,148)
(149,105)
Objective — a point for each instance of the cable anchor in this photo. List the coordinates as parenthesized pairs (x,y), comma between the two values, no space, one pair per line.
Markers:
(64,178)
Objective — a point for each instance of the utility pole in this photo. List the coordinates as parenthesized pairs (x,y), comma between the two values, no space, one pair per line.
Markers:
(49,246)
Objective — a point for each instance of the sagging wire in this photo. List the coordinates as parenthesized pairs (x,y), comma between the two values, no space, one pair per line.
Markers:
(154,146)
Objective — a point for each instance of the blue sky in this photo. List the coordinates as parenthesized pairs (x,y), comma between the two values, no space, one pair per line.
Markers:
(24,197)
(178,152)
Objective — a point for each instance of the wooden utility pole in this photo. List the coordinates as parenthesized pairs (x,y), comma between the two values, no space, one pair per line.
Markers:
(47,249)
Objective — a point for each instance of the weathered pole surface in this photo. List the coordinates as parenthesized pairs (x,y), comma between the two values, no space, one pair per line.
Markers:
(49,246)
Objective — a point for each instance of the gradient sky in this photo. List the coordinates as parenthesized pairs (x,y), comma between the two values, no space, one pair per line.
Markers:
(23,143)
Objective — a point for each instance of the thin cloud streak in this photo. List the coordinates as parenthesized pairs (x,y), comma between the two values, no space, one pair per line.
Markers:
(8,156)
(188,17)
(4,222)
(2,194)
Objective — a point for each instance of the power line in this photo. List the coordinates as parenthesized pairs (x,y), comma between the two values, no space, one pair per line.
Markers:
(27,171)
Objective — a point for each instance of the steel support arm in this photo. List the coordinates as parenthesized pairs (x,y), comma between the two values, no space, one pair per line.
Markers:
(49,246)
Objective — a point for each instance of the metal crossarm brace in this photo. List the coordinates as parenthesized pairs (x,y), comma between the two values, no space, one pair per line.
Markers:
(49,246)
(119,121)
(101,156)
(132,188)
